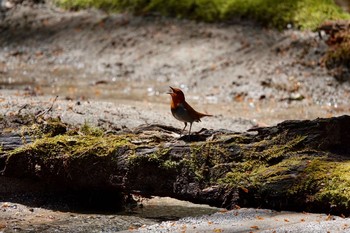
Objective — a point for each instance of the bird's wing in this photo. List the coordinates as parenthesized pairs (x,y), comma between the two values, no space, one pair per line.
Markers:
(193,113)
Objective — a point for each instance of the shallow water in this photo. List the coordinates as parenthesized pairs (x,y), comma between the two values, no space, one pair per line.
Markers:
(19,218)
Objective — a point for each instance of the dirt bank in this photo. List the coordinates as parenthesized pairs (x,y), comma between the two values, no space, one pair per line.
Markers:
(114,70)
(235,69)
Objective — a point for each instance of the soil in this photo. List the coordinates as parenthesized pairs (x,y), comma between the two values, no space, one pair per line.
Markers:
(235,70)
(253,220)
(113,70)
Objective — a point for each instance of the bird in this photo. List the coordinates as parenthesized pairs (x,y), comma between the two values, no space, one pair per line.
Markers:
(182,111)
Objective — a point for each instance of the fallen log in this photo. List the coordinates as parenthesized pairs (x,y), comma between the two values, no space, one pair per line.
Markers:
(295,165)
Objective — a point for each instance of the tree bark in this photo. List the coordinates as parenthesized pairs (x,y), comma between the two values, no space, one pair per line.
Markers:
(295,165)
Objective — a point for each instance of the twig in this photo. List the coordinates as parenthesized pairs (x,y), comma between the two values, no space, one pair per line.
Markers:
(22,107)
(47,110)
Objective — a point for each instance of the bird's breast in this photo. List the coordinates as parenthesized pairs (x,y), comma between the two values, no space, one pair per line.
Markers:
(181,113)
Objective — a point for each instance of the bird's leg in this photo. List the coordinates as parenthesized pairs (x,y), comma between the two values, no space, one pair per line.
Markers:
(184,128)
(189,133)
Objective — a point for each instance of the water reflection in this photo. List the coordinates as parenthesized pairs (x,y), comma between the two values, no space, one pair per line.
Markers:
(165,208)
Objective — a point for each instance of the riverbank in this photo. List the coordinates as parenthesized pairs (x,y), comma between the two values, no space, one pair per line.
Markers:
(113,70)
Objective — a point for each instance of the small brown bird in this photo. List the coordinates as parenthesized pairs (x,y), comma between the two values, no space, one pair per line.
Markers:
(181,110)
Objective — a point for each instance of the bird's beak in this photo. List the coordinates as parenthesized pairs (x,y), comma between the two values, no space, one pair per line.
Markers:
(171,92)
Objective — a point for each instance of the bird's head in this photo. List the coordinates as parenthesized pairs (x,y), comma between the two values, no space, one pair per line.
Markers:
(177,95)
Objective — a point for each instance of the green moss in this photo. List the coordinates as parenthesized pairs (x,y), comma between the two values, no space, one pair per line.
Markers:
(323,180)
(287,166)
(77,145)
(264,179)
(199,159)
(168,164)
(46,128)
(273,150)
(109,5)
(239,138)
(240,164)
(337,190)
(240,176)
(88,129)
(306,14)
(160,157)
(328,181)
(266,163)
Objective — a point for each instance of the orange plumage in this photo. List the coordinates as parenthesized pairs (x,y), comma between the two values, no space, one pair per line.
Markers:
(181,110)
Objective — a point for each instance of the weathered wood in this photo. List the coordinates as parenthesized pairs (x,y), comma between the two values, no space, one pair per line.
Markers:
(288,166)
(11,141)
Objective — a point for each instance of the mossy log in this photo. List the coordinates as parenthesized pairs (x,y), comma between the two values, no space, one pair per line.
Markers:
(295,165)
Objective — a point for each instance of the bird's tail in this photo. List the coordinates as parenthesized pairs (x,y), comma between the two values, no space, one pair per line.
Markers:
(204,115)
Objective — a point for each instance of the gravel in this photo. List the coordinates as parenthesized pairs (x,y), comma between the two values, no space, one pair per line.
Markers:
(254,220)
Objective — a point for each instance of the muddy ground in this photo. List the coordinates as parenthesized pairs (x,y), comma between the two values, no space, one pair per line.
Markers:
(113,70)
(237,70)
